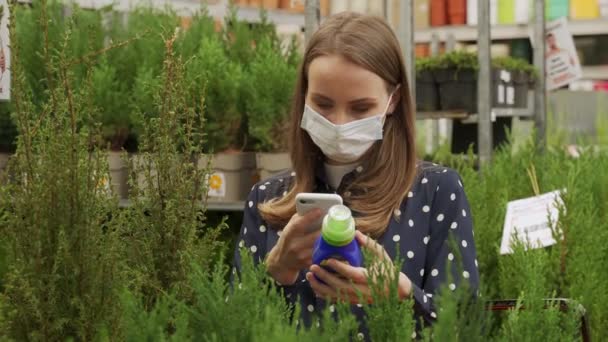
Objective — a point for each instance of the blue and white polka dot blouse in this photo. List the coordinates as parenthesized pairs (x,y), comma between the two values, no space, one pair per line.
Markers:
(433,219)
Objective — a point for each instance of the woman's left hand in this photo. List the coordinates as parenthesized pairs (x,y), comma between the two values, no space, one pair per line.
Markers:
(349,281)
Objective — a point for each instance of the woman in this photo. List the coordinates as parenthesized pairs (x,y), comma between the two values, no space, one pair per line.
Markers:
(352,133)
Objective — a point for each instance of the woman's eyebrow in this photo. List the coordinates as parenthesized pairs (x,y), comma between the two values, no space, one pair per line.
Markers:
(322,97)
(363,100)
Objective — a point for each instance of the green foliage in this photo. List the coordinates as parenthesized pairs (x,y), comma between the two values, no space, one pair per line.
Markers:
(458,60)
(427,64)
(166,230)
(110,96)
(269,85)
(219,81)
(515,64)
(62,253)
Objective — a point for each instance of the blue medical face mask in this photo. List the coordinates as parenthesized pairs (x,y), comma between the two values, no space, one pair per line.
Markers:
(344,143)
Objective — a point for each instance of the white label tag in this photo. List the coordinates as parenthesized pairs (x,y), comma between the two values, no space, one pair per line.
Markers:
(510,95)
(529,220)
(217,184)
(501,94)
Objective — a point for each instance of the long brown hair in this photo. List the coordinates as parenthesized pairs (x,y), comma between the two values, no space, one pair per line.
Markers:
(391,163)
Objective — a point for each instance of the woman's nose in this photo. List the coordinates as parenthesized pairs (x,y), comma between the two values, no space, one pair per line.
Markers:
(340,118)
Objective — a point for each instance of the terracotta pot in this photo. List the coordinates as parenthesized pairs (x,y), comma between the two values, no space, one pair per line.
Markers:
(422,50)
(292,5)
(324,8)
(270,4)
(457,12)
(439,13)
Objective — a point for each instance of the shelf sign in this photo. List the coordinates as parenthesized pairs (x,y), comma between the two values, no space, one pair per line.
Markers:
(216,183)
(531,221)
(5,54)
(563,65)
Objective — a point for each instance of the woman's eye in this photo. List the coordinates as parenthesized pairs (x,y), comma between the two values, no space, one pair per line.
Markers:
(361,110)
(323,106)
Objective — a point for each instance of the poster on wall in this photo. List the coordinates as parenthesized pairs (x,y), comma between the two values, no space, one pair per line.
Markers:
(5,56)
(563,65)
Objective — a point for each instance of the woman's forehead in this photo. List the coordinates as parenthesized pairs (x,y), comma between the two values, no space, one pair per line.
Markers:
(336,77)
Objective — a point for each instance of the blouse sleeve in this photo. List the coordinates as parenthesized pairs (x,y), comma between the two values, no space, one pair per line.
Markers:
(450,246)
(253,239)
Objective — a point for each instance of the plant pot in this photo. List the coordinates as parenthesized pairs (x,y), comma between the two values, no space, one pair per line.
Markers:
(119,174)
(439,13)
(506,11)
(584,9)
(503,90)
(521,83)
(457,89)
(270,4)
(457,12)
(232,176)
(427,92)
(139,168)
(557,8)
(269,164)
(463,135)
(325,8)
(293,5)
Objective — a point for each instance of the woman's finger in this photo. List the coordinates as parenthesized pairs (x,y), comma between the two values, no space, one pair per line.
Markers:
(371,244)
(356,274)
(330,279)
(320,289)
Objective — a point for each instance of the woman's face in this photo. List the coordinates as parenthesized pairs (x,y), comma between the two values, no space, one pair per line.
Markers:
(343,92)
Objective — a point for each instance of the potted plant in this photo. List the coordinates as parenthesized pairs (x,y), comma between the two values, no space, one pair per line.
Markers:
(268,90)
(521,76)
(110,96)
(427,91)
(219,80)
(139,65)
(503,82)
(456,75)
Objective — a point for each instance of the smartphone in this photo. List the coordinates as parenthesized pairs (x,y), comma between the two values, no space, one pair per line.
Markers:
(307,201)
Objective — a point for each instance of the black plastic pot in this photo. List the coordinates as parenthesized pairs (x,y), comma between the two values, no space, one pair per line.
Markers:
(465,135)
(427,92)
(521,82)
(503,89)
(457,89)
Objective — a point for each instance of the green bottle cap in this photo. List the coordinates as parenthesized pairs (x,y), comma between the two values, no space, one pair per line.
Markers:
(338,226)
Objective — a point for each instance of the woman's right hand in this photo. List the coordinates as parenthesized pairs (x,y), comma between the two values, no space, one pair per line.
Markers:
(293,250)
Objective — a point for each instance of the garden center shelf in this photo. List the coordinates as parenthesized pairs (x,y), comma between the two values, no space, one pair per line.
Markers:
(474,117)
(467,117)
(507,32)
(211,206)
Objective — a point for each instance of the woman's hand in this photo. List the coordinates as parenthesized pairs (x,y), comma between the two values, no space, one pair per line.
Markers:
(349,280)
(293,250)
